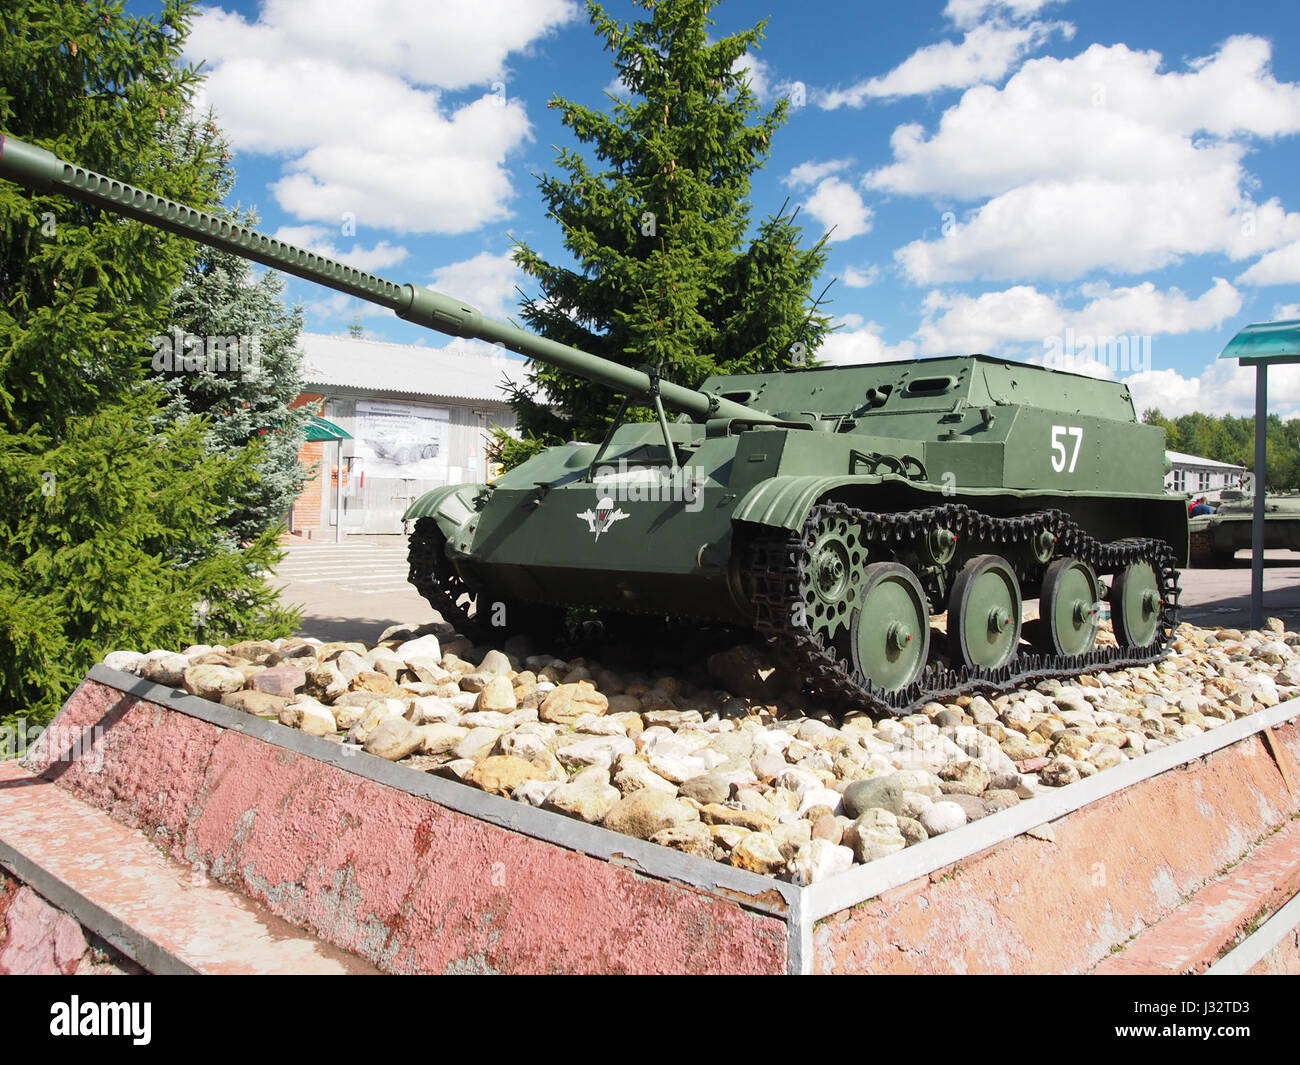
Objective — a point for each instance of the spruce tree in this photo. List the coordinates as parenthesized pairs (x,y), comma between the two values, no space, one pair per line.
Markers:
(670,274)
(219,297)
(109,513)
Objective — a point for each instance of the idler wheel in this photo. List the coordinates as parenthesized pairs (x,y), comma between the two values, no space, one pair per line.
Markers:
(1135,605)
(891,626)
(1069,608)
(984,613)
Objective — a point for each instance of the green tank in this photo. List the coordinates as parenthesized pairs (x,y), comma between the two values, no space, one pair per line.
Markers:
(839,511)
(1216,538)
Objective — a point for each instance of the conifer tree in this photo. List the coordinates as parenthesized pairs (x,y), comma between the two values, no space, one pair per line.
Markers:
(220,298)
(670,274)
(109,514)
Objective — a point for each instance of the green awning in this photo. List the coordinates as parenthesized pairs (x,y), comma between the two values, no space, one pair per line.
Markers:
(320,429)
(1266,342)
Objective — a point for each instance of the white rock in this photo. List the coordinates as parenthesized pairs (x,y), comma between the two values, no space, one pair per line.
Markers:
(799,781)
(376,711)
(739,775)
(1262,688)
(432,710)
(774,738)
(164,667)
(385,661)
(598,725)
(821,797)
(316,720)
(941,817)
(634,774)
(126,661)
(486,718)
(601,751)
(424,647)
(441,737)
(819,859)
(914,804)
(677,768)
(534,792)
(350,664)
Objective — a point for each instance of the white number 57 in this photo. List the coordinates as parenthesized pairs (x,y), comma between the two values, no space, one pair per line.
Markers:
(1058,446)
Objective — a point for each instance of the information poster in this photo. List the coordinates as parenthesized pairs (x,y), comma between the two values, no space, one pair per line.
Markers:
(402,439)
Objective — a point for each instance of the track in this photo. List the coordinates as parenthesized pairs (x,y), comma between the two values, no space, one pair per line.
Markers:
(432,574)
(777,567)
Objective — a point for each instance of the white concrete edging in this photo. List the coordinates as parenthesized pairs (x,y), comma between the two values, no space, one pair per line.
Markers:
(849,889)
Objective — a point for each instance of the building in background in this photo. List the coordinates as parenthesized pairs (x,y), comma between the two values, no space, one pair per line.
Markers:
(418,417)
(1195,476)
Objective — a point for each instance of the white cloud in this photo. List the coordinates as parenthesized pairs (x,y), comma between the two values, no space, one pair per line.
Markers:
(1283,312)
(833,202)
(984,54)
(452,44)
(839,205)
(319,240)
(961,324)
(810,173)
(864,278)
(1099,162)
(856,341)
(757,71)
(1278,267)
(351,97)
(766,87)
(967,13)
(1225,387)
(486,281)
(1066,229)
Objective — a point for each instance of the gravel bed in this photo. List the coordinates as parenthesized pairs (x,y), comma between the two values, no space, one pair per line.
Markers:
(738,769)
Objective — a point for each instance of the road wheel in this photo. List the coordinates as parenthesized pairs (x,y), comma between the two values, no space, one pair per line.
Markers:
(890,626)
(984,613)
(1135,605)
(1068,608)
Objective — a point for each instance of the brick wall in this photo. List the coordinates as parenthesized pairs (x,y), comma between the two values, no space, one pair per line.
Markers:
(307,507)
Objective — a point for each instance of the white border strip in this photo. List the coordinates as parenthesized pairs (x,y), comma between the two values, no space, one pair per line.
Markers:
(870,881)
(1246,954)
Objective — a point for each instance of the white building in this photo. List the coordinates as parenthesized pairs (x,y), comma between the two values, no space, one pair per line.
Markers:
(1195,476)
(419,417)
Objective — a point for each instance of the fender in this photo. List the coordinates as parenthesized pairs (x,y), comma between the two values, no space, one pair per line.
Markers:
(450,506)
(786,501)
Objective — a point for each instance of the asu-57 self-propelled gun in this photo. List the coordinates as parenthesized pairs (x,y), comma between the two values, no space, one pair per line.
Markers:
(832,509)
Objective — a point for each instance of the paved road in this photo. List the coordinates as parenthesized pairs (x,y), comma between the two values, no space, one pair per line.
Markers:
(355,590)
(1222,596)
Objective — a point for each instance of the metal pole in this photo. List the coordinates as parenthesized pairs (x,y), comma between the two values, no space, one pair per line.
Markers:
(338,491)
(1261,470)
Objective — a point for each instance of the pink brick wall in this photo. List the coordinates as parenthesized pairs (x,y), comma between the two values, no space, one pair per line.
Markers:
(409,884)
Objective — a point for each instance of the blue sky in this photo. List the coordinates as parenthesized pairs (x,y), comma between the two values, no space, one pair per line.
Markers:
(1022,177)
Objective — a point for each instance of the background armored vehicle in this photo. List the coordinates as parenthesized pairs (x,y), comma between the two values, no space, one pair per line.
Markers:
(832,509)
(1216,538)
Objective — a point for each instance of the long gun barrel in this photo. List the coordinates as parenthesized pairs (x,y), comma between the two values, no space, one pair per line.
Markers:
(42,171)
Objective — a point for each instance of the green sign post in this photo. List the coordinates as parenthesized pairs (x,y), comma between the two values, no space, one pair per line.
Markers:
(1262,345)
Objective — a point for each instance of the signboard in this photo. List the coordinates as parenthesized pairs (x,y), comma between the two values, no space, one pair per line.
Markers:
(403,439)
